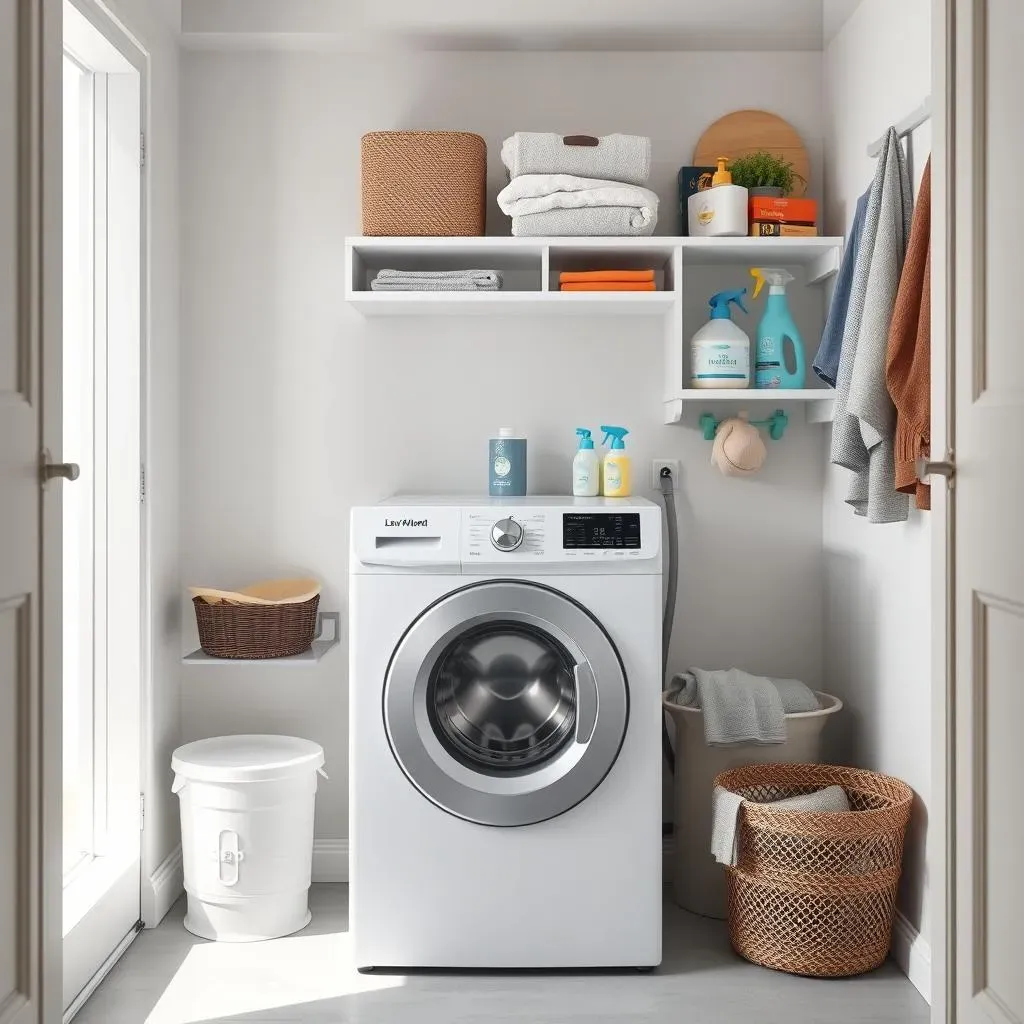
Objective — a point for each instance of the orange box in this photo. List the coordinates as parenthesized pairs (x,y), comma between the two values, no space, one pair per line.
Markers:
(797,211)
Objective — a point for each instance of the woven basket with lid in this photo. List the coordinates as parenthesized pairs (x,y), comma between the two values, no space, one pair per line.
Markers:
(424,183)
(815,894)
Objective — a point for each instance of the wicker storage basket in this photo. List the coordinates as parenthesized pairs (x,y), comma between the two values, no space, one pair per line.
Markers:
(424,183)
(256,630)
(814,894)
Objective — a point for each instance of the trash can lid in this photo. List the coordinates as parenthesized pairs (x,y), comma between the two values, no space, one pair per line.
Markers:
(246,758)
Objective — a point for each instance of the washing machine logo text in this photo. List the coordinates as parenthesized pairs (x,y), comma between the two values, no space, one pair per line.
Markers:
(406,522)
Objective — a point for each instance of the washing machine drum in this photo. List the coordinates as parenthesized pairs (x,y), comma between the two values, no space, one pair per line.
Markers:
(506,703)
(503,697)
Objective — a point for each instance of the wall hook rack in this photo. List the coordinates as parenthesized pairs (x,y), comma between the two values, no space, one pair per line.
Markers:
(775,424)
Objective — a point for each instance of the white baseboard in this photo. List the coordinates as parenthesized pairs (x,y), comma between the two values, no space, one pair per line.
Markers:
(161,889)
(912,955)
(330,860)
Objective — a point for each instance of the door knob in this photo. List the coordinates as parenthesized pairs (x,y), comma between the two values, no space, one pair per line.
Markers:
(56,470)
(944,467)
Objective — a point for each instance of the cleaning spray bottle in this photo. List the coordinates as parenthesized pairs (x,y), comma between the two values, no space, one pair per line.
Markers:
(615,465)
(720,350)
(586,467)
(775,328)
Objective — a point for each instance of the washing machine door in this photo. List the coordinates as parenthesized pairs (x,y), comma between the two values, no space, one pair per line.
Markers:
(506,703)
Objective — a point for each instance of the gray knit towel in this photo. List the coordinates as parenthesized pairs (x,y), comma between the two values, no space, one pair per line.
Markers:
(436,281)
(615,157)
(588,221)
(739,707)
(726,810)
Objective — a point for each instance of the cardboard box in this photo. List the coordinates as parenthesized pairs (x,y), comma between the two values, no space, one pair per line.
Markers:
(780,229)
(793,211)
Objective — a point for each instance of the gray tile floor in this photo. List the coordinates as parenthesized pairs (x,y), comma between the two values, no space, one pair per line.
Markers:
(171,977)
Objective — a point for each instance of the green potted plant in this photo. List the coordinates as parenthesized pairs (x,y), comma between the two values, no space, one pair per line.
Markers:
(764,174)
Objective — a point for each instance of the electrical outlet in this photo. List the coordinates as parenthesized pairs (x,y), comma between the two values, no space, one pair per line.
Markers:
(672,465)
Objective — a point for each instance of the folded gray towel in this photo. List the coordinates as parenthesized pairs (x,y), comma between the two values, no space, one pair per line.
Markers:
(436,281)
(615,157)
(586,221)
(726,810)
(797,698)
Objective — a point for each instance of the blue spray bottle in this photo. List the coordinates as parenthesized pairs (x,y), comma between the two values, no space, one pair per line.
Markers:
(776,327)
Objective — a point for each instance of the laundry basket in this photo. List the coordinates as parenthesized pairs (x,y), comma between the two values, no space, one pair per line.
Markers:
(423,183)
(698,882)
(814,894)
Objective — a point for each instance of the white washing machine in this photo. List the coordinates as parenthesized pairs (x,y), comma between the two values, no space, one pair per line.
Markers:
(505,768)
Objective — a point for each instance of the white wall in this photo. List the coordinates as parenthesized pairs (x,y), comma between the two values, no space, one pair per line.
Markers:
(162,709)
(298,408)
(877,632)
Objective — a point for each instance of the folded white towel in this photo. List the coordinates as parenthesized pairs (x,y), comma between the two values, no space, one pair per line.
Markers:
(589,221)
(436,281)
(726,810)
(538,193)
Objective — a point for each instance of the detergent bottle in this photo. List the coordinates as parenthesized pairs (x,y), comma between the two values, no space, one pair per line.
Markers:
(776,327)
(720,350)
(586,467)
(615,465)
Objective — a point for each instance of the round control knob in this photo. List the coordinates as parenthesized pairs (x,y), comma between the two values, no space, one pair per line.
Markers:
(507,534)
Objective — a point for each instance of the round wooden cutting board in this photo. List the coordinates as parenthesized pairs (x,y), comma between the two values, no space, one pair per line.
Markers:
(747,131)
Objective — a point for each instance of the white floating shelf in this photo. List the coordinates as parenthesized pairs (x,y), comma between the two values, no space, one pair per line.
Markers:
(687,405)
(305,660)
(504,303)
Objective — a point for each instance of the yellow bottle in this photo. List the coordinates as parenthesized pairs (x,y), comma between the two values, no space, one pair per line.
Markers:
(615,482)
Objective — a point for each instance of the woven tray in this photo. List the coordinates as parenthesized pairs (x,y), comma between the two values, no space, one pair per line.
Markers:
(815,894)
(256,631)
(424,183)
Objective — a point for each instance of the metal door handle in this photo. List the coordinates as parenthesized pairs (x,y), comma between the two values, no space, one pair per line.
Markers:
(56,470)
(944,467)
(586,701)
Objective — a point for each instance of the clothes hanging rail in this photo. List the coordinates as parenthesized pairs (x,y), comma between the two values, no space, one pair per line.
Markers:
(906,126)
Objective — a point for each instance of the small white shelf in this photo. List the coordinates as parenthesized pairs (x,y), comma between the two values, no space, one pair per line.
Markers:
(305,660)
(687,405)
(503,303)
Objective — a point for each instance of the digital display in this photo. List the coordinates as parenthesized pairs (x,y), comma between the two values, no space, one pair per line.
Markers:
(594,530)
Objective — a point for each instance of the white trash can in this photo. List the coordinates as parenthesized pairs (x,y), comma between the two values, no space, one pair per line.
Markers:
(698,880)
(247,834)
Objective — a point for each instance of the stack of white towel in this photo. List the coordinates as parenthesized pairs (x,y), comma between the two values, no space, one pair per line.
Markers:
(578,185)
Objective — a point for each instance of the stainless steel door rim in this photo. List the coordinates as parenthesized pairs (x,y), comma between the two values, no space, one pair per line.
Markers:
(505,703)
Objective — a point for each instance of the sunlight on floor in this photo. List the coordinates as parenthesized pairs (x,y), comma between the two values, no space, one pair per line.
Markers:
(216,978)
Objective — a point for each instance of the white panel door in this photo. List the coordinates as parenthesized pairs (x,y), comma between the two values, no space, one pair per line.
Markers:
(989,503)
(30,302)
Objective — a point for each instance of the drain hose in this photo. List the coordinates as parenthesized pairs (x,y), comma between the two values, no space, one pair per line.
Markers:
(668,493)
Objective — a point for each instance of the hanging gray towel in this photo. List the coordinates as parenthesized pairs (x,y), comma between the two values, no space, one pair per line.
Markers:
(865,446)
(737,707)
(615,157)
(726,812)
(826,363)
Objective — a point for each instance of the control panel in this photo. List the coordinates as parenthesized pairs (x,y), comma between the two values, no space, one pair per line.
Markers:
(506,537)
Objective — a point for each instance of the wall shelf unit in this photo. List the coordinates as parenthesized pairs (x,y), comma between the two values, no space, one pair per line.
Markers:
(530,269)
(308,659)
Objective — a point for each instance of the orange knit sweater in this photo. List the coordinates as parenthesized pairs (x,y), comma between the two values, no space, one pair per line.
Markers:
(908,357)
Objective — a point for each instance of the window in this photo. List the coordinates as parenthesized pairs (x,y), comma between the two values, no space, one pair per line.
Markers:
(102,521)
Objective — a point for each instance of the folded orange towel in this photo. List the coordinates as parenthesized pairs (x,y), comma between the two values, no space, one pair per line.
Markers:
(579,276)
(610,286)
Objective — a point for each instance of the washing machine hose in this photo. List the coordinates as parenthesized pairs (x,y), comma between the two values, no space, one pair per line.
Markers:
(668,493)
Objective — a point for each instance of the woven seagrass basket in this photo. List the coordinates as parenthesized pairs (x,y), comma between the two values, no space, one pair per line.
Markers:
(424,183)
(257,631)
(814,894)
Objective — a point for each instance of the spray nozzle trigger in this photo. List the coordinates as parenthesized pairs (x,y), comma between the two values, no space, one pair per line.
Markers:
(719,303)
(776,277)
(585,441)
(613,437)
